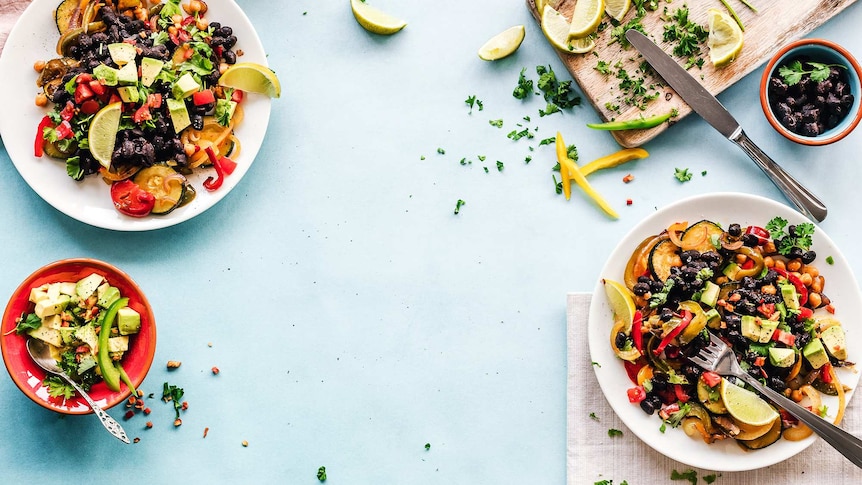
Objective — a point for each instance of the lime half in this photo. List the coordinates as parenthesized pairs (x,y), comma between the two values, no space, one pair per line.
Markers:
(252,78)
(586,18)
(555,26)
(375,21)
(503,44)
(725,38)
(102,135)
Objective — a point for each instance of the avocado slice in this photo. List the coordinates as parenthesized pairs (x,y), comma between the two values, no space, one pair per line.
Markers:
(835,342)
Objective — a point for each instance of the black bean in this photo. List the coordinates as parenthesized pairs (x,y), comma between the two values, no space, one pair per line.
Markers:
(808,257)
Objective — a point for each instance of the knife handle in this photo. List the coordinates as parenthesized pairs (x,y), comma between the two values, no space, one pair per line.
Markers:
(802,198)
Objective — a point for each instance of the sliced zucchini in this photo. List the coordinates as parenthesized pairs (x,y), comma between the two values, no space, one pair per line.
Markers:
(68,15)
(637,264)
(662,258)
(767,439)
(699,236)
(53,150)
(166,184)
(703,390)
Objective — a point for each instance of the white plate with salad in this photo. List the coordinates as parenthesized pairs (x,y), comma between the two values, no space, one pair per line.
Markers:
(724,209)
(35,38)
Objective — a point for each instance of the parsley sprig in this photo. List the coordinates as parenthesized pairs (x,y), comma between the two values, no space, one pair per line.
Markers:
(787,237)
(792,73)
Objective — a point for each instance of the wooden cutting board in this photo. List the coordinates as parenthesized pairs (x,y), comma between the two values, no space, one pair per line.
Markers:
(776,23)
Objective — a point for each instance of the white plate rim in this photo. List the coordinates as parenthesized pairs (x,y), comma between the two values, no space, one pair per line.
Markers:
(34,37)
(725,208)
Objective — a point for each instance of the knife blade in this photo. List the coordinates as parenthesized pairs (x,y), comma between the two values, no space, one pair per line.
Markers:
(713,112)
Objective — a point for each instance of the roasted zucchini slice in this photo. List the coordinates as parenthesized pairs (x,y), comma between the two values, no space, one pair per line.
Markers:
(700,236)
(166,184)
(664,256)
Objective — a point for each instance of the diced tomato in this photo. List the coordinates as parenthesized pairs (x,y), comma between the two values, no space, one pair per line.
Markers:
(761,233)
(636,394)
(97,87)
(227,165)
(805,312)
(83,93)
(786,338)
(64,130)
(84,77)
(826,373)
(90,107)
(142,114)
(201,98)
(766,309)
(681,395)
(759,361)
(131,199)
(68,111)
(711,378)
(154,100)
(39,145)
(237,96)
(115,98)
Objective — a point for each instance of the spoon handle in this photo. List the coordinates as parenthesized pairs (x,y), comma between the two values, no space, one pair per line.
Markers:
(107,421)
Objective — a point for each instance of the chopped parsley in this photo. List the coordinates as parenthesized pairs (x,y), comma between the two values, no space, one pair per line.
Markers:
(682,174)
(460,203)
(830,260)
(321,474)
(686,37)
(441,151)
(499,166)
(614,432)
(496,123)
(603,67)
(57,387)
(473,101)
(709,478)
(548,141)
(427,446)
(689,475)
(594,417)
(558,94)
(175,394)
(524,87)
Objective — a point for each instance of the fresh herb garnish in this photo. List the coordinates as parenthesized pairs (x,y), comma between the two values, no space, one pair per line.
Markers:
(321,474)
(683,175)
(792,73)
(558,94)
(524,87)
(614,432)
(175,394)
(473,101)
(441,151)
(499,166)
(787,237)
(28,322)
(427,446)
(594,417)
(57,387)
(830,260)
(689,475)
(460,203)
(496,123)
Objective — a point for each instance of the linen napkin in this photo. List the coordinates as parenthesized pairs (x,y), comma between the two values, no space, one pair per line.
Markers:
(592,456)
(10,10)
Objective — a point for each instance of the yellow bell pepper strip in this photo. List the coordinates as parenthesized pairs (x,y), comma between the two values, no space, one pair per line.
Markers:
(110,373)
(570,171)
(614,159)
(636,124)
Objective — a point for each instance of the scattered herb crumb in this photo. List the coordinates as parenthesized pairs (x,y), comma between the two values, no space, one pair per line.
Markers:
(548,141)
(603,67)
(496,123)
(682,174)
(614,432)
(689,475)
(422,157)
(427,446)
(830,260)
(473,101)
(175,394)
(610,482)
(524,87)
(460,203)
(481,158)
(321,474)
(594,417)
(499,166)
(596,364)
(710,478)
(441,151)
(486,169)
(528,159)
(703,174)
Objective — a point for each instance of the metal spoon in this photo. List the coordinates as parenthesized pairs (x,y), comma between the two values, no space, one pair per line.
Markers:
(41,354)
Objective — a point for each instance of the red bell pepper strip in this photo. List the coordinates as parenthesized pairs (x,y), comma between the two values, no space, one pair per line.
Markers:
(130,199)
(826,373)
(686,319)
(681,395)
(801,290)
(39,145)
(632,368)
(637,329)
(761,233)
(227,165)
(210,183)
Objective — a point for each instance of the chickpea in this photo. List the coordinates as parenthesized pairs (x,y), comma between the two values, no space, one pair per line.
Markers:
(222,67)
(740,258)
(177,19)
(39,65)
(779,264)
(794,265)
(202,24)
(172,30)
(768,261)
(812,270)
(768,290)
(817,284)
(806,279)
(769,247)
(815,300)
(41,100)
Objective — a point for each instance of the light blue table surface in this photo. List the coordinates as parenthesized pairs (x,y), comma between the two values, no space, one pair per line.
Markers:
(355,318)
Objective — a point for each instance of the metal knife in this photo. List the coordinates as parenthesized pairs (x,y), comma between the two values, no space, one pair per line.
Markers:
(711,110)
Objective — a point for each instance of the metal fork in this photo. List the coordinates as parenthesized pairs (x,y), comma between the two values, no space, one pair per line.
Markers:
(719,357)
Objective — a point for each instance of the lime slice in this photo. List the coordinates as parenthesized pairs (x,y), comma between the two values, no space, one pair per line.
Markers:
(725,37)
(617,9)
(745,406)
(503,44)
(374,20)
(555,26)
(586,18)
(103,132)
(251,77)
(621,302)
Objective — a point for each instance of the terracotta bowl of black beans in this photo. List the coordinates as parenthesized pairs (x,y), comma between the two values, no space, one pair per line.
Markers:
(810,92)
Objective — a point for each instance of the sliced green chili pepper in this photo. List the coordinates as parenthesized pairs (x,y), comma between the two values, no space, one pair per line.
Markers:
(110,373)
(638,124)
(125,378)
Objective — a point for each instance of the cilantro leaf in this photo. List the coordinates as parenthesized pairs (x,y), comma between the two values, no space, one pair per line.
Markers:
(689,475)
(683,175)
(175,394)
(524,87)
(28,322)
(57,387)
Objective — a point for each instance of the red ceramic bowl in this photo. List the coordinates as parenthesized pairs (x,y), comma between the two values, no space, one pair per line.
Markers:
(28,376)
(817,50)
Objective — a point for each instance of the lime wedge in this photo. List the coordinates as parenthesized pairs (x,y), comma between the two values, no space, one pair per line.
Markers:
(745,406)
(555,26)
(617,9)
(725,37)
(252,78)
(102,135)
(503,44)
(375,21)
(586,18)
(621,302)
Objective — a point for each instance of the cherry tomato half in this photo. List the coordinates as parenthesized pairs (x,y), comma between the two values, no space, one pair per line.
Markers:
(130,199)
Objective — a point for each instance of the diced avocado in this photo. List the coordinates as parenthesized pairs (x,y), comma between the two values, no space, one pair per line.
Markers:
(45,308)
(53,321)
(67,288)
(122,53)
(731,271)
(88,285)
(185,86)
(49,335)
(129,94)
(713,318)
(37,294)
(757,329)
(179,114)
(87,334)
(118,344)
(835,342)
(790,297)
(224,109)
(781,356)
(107,294)
(150,68)
(127,75)
(815,353)
(107,74)
(53,291)
(67,334)
(709,295)
(128,321)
